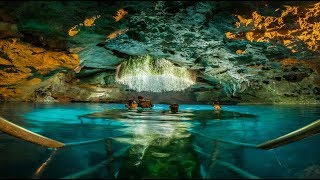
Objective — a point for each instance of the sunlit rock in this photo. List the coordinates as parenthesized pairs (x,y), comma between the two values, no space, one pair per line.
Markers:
(155,75)
(24,67)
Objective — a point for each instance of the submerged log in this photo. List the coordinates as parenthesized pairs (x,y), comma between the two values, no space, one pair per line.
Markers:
(238,170)
(88,173)
(44,165)
(24,134)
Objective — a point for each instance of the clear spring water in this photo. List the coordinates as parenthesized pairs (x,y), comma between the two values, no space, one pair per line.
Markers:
(157,144)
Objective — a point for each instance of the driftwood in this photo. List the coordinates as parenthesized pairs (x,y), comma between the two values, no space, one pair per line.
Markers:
(44,165)
(24,134)
(304,132)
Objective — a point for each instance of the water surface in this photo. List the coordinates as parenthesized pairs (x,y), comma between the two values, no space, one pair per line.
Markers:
(155,143)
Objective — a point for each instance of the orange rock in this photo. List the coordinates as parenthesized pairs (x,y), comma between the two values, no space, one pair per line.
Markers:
(290,62)
(25,58)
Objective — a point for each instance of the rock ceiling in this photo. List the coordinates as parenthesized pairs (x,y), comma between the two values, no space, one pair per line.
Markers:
(243,51)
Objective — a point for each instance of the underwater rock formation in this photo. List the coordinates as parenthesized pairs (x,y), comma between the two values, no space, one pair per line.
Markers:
(259,52)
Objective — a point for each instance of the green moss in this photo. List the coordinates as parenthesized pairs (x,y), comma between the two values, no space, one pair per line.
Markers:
(179,161)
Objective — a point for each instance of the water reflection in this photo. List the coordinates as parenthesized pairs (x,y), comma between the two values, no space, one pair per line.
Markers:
(161,143)
(156,143)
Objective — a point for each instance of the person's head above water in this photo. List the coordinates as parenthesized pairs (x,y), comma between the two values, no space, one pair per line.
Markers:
(216,105)
(174,107)
(132,104)
(215,102)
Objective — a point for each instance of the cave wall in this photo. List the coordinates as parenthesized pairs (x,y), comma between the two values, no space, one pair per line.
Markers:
(242,52)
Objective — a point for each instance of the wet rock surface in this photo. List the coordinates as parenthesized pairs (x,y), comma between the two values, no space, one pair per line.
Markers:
(49,57)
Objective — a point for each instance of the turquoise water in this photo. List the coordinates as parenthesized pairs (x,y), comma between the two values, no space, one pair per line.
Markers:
(158,144)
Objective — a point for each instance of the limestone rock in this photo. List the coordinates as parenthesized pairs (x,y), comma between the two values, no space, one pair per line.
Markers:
(41,40)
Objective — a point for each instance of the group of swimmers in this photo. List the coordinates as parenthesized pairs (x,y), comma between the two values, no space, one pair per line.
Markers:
(143,103)
(146,103)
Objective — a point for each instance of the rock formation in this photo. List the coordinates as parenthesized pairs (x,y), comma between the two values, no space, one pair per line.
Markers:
(240,52)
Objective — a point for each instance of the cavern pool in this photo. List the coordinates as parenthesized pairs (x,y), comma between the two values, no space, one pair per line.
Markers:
(153,143)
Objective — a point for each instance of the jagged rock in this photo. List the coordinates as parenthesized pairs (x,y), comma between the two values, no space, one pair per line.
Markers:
(103,78)
(295,76)
(24,68)
(36,48)
(97,57)
(50,42)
